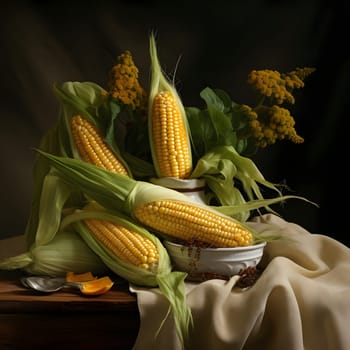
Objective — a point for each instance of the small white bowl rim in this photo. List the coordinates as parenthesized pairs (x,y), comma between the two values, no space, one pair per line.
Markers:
(179,184)
(227,249)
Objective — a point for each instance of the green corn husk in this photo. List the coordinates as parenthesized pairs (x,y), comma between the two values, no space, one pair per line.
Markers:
(52,251)
(171,283)
(221,166)
(87,99)
(118,192)
(65,252)
(114,191)
(130,272)
(160,83)
(49,143)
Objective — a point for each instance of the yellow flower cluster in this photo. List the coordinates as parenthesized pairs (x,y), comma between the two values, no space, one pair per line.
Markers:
(268,122)
(278,87)
(270,84)
(124,84)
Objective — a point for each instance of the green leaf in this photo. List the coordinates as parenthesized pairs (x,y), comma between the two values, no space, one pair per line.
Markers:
(107,113)
(201,131)
(221,123)
(225,100)
(211,98)
(212,127)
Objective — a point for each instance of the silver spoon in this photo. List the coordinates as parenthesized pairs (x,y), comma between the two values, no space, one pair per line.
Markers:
(48,284)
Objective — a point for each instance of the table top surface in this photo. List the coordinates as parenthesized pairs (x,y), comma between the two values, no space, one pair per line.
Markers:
(14,297)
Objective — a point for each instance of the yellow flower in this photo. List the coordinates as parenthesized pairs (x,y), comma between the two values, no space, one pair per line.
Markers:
(124,84)
(276,86)
(270,124)
(270,83)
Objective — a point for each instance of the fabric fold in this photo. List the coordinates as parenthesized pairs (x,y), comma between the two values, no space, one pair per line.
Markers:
(300,301)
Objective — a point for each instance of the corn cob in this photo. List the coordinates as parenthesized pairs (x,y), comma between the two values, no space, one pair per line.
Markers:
(92,148)
(124,243)
(168,126)
(96,226)
(114,191)
(188,222)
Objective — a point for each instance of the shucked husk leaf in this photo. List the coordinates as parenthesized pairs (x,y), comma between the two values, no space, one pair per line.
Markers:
(222,168)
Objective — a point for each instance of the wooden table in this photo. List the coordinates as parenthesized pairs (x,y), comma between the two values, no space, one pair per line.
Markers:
(65,319)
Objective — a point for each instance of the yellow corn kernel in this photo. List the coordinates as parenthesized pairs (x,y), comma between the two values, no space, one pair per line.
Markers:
(127,245)
(170,137)
(92,148)
(189,222)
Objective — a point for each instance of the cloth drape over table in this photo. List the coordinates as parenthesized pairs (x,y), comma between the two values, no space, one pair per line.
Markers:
(301,300)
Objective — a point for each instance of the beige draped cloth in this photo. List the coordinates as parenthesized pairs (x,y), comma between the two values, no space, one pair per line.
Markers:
(301,300)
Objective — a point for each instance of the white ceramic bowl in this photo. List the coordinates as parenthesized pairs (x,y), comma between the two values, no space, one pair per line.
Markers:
(217,261)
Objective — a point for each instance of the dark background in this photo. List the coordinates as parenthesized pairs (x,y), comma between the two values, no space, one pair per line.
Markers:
(218,43)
